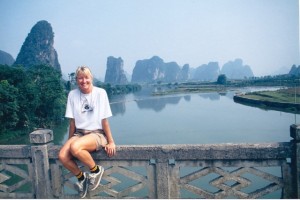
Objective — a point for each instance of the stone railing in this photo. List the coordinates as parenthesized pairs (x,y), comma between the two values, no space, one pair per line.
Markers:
(158,171)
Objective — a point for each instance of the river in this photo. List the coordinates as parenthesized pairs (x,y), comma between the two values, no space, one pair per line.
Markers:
(195,119)
(198,118)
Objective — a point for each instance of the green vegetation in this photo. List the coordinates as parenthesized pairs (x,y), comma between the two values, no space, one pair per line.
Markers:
(118,89)
(223,84)
(289,95)
(285,100)
(110,89)
(30,98)
(35,97)
(188,88)
(222,79)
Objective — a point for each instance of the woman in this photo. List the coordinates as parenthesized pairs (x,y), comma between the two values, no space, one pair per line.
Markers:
(88,109)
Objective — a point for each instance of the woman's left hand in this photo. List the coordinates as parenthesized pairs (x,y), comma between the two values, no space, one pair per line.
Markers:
(110,149)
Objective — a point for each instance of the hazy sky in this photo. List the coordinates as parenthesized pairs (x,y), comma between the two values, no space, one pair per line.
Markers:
(264,33)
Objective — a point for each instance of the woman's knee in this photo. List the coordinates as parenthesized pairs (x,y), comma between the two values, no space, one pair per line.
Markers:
(75,148)
(61,155)
(64,155)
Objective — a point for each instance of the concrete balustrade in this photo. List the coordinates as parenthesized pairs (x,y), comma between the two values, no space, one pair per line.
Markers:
(155,171)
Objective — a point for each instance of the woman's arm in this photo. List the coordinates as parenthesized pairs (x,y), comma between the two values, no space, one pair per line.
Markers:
(72,128)
(110,148)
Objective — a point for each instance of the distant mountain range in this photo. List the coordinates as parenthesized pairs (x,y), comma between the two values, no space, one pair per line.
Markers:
(207,72)
(155,69)
(236,70)
(38,49)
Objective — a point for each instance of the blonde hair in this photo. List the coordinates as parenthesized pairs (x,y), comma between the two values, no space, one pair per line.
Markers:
(83,70)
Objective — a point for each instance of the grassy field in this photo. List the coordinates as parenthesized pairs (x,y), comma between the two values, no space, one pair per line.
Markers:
(289,95)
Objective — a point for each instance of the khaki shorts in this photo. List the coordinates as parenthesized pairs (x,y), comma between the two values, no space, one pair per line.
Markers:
(98,134)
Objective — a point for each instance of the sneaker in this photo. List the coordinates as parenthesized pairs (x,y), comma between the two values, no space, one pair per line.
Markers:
(83,186)
(95,178)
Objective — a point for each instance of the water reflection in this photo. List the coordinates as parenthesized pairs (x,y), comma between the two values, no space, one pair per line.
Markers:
(118,106)
(145,100)
(157,104)
(187,97)
(153,103)
(211,96)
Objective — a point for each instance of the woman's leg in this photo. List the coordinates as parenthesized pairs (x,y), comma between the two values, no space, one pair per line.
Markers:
(81,149)
(66,157)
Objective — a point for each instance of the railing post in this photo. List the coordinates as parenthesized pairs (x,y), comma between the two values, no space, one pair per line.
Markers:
(295,161)
(39,140)
(162,179)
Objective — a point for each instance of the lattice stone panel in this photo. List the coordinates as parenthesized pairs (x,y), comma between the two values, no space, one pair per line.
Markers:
(130,179)
(229,182)
(16,178)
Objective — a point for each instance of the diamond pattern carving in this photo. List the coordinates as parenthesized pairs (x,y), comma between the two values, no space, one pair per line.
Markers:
(138,182)
(15,178)
(116,182)
(235,177)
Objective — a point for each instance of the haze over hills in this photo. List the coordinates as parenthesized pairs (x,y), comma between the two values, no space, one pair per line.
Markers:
(155,69)
(295,71)
(236,70)
(6,58)
(114,71)
(264,33)
(207,72)
(38,49)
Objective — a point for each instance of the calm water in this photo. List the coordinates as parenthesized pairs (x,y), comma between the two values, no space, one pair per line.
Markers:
(193,119)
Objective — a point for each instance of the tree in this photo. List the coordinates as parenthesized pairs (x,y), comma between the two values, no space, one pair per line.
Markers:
(222,79)
(8,106)
(16,77)
(71,82)
(30,98)
(49,93)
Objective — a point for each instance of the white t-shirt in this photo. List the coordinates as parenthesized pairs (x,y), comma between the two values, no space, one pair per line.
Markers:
(88,109)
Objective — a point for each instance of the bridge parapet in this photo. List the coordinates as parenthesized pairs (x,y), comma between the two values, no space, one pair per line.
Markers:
(157,171)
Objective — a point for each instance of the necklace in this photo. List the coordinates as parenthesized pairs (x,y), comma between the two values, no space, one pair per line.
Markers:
(85,105)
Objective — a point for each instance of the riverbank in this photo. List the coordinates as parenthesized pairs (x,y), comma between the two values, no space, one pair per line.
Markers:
(285,100)
(188,88)
(209,86)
